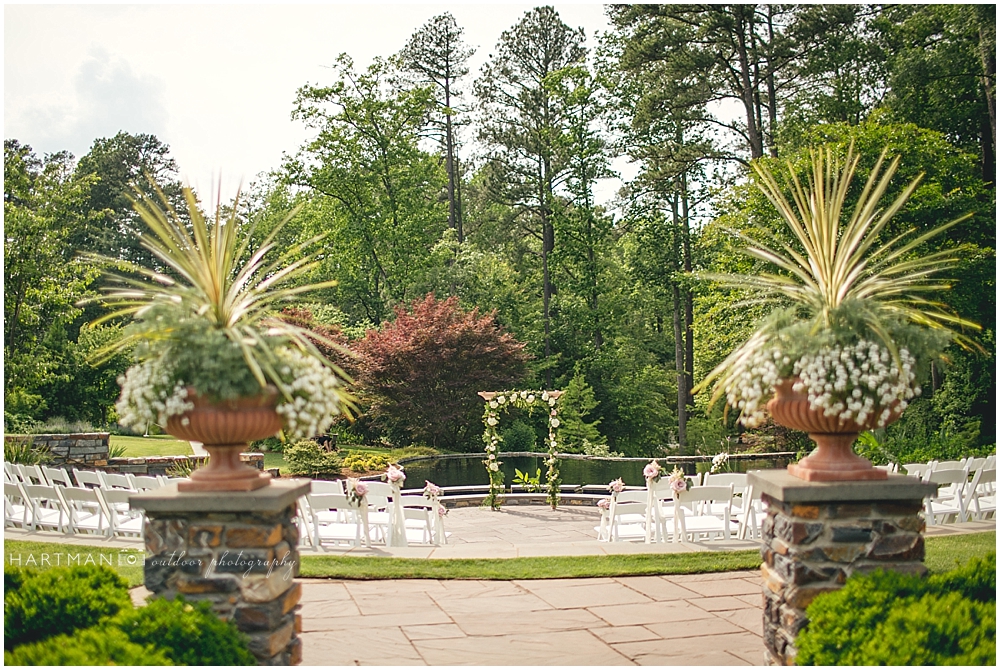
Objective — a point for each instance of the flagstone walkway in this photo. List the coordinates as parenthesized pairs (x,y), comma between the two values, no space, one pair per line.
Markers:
(678,620)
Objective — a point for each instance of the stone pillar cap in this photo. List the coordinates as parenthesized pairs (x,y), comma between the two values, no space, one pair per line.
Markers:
(273,498)
(780,485)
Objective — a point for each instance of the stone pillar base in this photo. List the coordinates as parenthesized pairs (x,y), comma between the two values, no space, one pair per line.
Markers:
(235,550)
(817,534)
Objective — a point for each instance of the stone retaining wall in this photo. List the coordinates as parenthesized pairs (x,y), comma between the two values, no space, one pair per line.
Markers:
(159,465)
(86,450)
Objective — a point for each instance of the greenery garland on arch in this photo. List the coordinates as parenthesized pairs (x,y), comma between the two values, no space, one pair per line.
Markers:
(498,401)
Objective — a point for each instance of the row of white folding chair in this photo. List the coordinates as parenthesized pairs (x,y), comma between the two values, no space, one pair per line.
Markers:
(711,510)
(47,476)
(69,509)
(956,500)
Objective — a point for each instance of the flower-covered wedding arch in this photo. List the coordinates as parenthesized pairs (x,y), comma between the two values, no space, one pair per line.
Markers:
(500,401)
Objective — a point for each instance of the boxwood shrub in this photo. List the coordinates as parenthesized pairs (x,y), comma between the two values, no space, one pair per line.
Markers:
(58,601)
(101,645)
(186,633)
(889,618)
(83,615)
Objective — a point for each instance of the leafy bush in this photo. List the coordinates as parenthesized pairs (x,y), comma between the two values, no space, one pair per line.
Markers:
(61,600)
(93,646)
(363,461)
(600,450)
(272,444)
(411,451)
(187,634)
(25,452)
(889,618)
(419,375)
(519,436)
(305,457)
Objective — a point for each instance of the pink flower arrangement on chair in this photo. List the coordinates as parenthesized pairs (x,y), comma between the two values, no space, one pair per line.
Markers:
(652,471)
(395,474)
(617,486)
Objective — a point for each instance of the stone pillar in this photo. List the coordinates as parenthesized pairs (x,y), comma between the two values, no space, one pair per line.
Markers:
(236,550)
(817,534)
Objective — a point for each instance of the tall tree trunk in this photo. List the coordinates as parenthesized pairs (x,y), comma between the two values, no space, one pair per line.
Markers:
(688,297)
(753,136)
(682,386)
(682,392)
(987,52)
(548,239)
(772,96)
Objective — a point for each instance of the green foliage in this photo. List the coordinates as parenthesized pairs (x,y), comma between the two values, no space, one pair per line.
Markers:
(530,484)
(273,444)
(889,618)
(364,461)
(92,646)
(25,452)
(306,457)
(61,600)
(575,405)
(413,450)
(187,634)
(520,436)
(600,450)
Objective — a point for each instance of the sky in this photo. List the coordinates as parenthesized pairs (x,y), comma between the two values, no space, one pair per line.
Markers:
(214,82)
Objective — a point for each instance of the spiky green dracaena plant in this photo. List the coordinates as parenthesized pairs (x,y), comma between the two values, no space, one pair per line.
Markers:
(219,280)
(841,275)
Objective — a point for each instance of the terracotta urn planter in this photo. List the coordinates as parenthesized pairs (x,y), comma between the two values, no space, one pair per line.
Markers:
(834,460)
(225,428)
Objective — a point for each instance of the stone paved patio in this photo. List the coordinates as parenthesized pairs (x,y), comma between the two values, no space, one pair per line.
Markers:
(677,620)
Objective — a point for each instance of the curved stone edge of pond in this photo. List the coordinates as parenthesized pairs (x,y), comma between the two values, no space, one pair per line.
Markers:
(613,459)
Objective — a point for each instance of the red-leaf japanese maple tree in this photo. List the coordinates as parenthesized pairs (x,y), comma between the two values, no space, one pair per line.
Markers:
(418,377)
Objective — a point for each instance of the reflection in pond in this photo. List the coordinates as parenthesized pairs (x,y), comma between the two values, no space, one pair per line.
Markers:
(468,470)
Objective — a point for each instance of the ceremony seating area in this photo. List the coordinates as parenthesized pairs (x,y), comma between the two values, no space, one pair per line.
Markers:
(716,506)
(966,491)
(37,497)
(328,516)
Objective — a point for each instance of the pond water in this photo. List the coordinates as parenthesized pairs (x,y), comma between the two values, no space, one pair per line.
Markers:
(469,470)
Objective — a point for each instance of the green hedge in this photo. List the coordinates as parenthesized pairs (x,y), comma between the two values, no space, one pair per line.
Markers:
(84,616)
(187,634)
(59,601)
(889,618)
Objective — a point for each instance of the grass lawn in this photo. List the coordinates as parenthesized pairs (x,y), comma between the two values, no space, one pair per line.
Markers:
(42,555)
(943,553)
(155,445)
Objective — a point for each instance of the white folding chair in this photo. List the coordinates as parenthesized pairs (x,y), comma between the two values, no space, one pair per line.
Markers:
(949,501)
(115,480)
(324,486)
(32,474)
(917,469)
(122,520)
(627,516)
(47,509)
(419,515)
(16,511)
(379,518)
(9,475)
(980,499)
(87,478)
(143,482)
(84,509)
(351,532)
(694,521)
(57,476)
